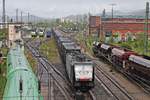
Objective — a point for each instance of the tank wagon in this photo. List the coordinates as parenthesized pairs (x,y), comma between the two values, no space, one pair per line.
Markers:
(124,60)
(79,68)
(21,84)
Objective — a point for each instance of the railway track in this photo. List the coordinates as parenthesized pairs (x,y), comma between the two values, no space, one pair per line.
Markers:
(55,76)
(144,84)
(139,81)
(111,86)
(59,80)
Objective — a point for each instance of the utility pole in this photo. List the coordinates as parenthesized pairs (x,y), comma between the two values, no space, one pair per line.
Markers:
(7,21)
(21,17)
(146,29)
(3,17)
(89,16)
(28,17)
(34,19)
(17,15)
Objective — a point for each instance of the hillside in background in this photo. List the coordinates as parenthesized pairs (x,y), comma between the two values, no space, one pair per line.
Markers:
(117,14)
(84,17)
(25,18)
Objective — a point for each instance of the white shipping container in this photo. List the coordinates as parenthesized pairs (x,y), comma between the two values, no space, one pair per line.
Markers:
(140,60)
(104,46)
(117,52)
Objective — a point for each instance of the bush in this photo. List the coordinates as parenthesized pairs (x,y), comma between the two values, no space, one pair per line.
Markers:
(3,33)
(127,46)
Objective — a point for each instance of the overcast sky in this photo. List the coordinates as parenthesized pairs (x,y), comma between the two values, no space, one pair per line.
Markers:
(59,8)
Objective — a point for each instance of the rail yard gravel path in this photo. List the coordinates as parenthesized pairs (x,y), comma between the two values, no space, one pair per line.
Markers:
(130,87)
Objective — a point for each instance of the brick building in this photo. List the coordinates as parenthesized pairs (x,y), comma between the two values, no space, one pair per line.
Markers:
(94,25)
(122,26)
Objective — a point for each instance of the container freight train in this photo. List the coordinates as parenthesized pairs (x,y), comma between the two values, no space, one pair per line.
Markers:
(124,60)
(79,68)
(21,84)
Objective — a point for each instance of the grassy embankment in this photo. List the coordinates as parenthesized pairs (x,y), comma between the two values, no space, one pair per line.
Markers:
(3,72)
(136,45)
(49,49)
(31,59)
(4,50)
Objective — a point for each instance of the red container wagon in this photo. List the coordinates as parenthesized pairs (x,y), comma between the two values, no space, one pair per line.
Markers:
(120,57)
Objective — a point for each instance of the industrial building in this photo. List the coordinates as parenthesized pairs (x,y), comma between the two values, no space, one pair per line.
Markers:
(122,27)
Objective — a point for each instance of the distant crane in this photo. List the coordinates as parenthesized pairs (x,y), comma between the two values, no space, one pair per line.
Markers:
(112,19)
(112,12)
(104,13)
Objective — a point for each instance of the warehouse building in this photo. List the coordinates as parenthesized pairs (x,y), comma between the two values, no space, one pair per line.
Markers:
(122,27)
